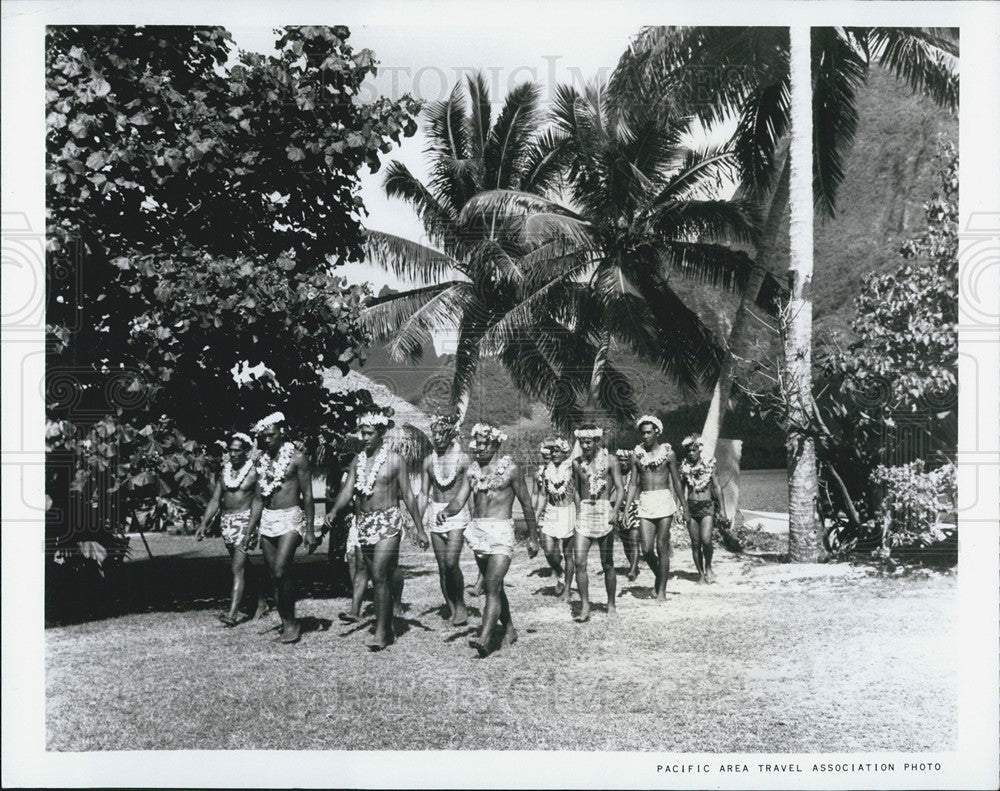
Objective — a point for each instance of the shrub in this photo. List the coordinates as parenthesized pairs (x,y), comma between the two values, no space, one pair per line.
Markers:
(912,501)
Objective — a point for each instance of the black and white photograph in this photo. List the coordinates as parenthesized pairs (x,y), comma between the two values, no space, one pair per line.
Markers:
(550,395)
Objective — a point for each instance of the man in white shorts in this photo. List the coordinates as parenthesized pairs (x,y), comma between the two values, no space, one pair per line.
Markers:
(494,483)
(283,508)
(655,480)
(557,519)
(442,475)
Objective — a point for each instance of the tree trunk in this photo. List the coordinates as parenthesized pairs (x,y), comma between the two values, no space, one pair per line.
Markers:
(804,544)
(592,409)
(739,332)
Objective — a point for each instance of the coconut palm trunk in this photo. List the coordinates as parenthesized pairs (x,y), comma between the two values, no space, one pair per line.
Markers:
(804,542)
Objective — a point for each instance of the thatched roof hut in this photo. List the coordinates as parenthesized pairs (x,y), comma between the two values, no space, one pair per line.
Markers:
(410,437)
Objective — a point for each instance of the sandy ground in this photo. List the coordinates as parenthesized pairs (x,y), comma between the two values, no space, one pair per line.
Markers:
(771,658)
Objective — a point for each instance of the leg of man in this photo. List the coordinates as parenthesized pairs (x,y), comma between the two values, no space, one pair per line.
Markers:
(635,545)
(707,549)
(606,545)
(647,529)
(439,541)
(567,552)
(550,546)
(239,584)
(694,531)
(396,584)
(663,553)
(453,578)
(383,559)
(269,547)
(493,567)
(282,552)
(581,548)
(509,633)
(358,568)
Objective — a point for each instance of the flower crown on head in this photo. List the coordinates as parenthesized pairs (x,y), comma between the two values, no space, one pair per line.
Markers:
(652,420)
(623,454)
(556,443)
(273,419)
(376,418)
(486,434)
(545,451)
(589,433)
(243,438)
(692,441)
(444,421)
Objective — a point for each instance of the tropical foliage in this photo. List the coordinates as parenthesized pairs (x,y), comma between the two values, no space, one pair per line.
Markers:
(638,203)
(196,212)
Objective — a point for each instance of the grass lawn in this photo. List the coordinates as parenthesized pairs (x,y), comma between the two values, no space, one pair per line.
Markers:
(772,658)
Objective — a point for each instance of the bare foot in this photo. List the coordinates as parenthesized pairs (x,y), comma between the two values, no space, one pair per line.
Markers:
(661,596)
(709,576)
(584,615)
(477,589)
(560,588)
(262,609)
(228,620)
(348,617)
(509,638)
(481,649)
(701,579)
(292,634)
(381,643)
(397,609)
(612,610)
(632,574)
(460,617)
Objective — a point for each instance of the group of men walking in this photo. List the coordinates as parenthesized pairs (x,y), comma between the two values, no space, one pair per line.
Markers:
(466,498)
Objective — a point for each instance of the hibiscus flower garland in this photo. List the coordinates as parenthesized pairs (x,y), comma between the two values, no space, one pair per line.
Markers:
(234,480)
(557,477)
(651,460)
(364,478)
(272,472)
(597,473)
(497,479)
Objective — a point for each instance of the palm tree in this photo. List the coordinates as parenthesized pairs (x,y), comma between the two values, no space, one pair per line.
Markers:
(757,88)
(470,263)
(638,205)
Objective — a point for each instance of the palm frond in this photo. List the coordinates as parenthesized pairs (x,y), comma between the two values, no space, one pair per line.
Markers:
(715,265)
(406,319)
(763,122)
(926,59)
(732,221)
(438,221)
(839,70)
(408,260)
(480,120)
(545,161)
(510,137)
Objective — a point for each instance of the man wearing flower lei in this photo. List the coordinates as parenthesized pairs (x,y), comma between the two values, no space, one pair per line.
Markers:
(233,493)
(377,480)
(283,508)
(493,484)
(599,489)
(654,479)
(442,475)
(702,490)
(557,518)
(628,520)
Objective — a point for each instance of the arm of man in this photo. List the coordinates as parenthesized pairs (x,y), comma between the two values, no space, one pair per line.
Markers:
(406,495)
(633,486)
(345,493)
(617,487)
(461,495)
(717,495)
(210,510)
(256,509)
(308,505)
(675,482)
(521,492)
(425,487)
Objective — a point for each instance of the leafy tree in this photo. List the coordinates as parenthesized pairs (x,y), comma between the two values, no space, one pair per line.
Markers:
(745,71)
(198,202)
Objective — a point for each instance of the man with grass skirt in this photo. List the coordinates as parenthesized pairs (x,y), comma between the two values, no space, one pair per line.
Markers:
(655,481)
(377,480)
(596,477)
(442,475)
(283,512)
(493,483)
(233,497)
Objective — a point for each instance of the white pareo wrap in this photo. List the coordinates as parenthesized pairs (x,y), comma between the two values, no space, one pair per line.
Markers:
(276,522)
(656,504)
(559,521)
(459,521)
(491,536)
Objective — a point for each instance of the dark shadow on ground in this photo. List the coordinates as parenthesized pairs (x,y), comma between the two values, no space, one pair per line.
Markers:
(176,583)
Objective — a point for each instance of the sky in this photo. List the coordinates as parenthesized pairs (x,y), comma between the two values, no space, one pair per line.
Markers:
(426,60)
